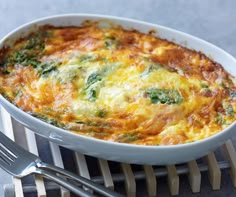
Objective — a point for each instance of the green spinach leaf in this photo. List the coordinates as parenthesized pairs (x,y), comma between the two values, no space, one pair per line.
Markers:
(164,96)
(93,78)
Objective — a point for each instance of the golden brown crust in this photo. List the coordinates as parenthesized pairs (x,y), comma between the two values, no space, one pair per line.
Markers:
(119,85)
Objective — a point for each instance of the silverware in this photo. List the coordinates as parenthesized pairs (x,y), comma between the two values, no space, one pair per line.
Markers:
(19,162)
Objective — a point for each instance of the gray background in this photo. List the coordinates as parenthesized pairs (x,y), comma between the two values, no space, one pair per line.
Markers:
(211,20)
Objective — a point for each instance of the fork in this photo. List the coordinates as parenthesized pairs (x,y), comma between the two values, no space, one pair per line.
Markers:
(19,163)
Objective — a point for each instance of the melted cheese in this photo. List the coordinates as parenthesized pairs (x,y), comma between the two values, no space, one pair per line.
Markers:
(118,85)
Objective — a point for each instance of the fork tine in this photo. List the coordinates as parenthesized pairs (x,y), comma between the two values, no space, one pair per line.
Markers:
(4,164)
(7,152)
(12,152)
(14,159)
(7,143)
(5,157)
(12,148)
(4,160)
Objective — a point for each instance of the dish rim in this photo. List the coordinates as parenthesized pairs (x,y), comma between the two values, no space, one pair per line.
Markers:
(123,19)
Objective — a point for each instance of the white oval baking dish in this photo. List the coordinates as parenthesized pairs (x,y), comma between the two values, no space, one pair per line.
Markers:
(129,153)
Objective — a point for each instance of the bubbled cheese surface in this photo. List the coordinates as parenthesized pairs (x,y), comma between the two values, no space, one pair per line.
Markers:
(118,85)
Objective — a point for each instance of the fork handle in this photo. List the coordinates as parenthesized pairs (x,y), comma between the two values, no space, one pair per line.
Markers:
(77,190)
(86,182)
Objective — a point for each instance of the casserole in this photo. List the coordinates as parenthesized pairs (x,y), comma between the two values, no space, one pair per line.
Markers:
(119,151)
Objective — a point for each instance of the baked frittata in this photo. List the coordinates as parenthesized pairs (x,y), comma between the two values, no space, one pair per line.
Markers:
(118,85)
